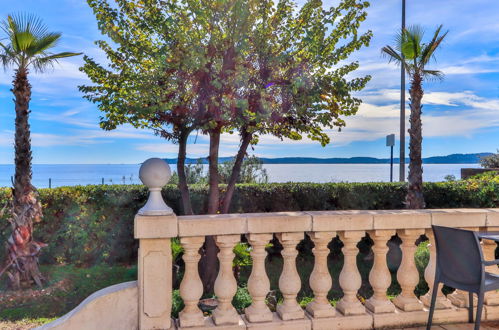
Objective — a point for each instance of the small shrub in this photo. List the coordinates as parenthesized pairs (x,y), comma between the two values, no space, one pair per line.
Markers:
(177,303)
(491,161)
(242,299)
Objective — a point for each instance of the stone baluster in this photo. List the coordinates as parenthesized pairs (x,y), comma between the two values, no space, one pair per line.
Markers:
(460,298)
(258,282)
(441,302)
(380,277)
(289,282)
(350,280)
(489,253)
(191,288)
(225,284)
(407,274)
(320,279)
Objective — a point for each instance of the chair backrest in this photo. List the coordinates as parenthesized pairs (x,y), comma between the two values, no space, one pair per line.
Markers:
(459,256)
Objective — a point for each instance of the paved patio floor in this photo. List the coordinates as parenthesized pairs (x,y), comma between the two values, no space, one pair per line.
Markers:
(464,326)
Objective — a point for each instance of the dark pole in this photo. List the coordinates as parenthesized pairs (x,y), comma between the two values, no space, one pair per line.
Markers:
(391,164)
(50,183)
(402,110)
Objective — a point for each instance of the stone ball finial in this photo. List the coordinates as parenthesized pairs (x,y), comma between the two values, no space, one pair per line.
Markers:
(155,173)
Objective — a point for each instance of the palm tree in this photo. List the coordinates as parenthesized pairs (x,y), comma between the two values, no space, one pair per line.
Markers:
(411,52)
(28,47)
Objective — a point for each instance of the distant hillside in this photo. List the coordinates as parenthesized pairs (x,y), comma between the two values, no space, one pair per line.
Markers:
(449,159)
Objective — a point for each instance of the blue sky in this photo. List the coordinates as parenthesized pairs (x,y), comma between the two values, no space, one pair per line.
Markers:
(461,114)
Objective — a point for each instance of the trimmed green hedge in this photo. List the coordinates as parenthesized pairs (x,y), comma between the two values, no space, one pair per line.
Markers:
(87,225)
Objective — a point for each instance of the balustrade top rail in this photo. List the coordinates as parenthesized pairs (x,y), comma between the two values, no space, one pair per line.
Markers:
(313,221)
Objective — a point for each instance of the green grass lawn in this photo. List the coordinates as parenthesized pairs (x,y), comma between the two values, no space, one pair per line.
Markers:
(65,288)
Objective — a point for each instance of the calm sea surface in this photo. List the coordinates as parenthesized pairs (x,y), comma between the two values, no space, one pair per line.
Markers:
(71,175)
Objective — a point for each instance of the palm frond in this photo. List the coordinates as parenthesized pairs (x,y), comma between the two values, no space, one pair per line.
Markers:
(433,75)
(30,43)
(394,56)
(41,45)
(429,51)
(27,23)
(414,36)
(42,63)
(416,32)
(7,56)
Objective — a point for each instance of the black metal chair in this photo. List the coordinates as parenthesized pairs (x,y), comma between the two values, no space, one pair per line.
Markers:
(460,265)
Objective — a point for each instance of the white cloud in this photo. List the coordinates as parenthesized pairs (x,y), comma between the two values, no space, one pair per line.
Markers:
(79,137)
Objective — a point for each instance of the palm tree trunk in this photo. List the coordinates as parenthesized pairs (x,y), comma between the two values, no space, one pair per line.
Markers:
(22,249)
(415,199)
(236,170)
(182,180)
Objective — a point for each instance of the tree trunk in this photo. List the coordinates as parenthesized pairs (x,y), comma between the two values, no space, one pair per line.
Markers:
(236,170)
(213,180)
(182,179)
(208,265)
(22,257)
(415,199)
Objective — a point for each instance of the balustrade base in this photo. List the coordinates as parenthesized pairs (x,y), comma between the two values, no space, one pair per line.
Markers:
(440,303)
(492,298)
(339,321)
(192,320)
(408,304)
(278,324)
(460,299)
(377,306)
(286,313)
(491,312)
(350,308)
(225,317)
(210,324)
(258,316)
(418,318)
(320,311)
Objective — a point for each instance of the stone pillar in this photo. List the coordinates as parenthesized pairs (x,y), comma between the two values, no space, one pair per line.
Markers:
(380,277)
(225,284)
(489,253)
(191,288)
(258,282)
(289,282)
(350,280)
(407,274)
(154,225)
(441,302)
(320,279)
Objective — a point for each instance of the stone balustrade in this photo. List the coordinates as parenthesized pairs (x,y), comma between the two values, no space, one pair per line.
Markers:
(155,288)
(147,304)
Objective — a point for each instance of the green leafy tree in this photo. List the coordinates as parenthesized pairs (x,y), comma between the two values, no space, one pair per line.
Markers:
(248,66)
(257,67)
(415,55)
(28,47)
(491,161)
(251,171)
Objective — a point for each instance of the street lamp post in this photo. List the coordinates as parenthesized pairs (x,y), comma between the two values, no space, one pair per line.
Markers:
(402,110)
(390,142)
